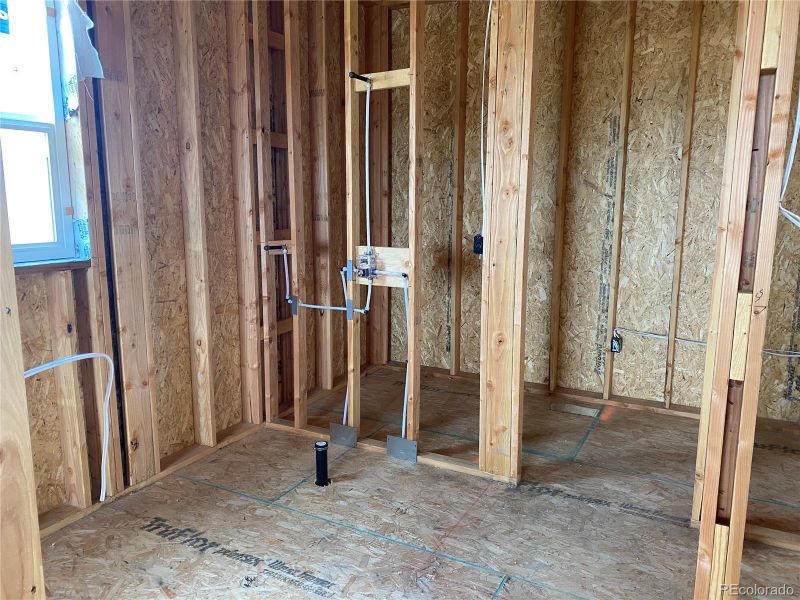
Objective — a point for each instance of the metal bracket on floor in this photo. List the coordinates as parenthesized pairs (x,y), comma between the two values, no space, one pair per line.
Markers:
(401,448)
(343,435)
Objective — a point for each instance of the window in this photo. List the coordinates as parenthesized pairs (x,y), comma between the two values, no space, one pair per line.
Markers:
(32,132)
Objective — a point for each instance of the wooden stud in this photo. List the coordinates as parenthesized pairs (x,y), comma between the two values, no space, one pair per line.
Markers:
(63,342)
(266,209)
(778,132)
(92,311)
(21,573)
(194,221)
(415,189)
(741,327)
(716,286)
(126,216)
(718,566)
(619,193)
(486,415)
(513,69)
(459,148)
(245,224)
(561,189)
(378,41)
(733,211)
(296,87)
(772,36)
(352,62)
(324,280)
(683,194)
(385,80)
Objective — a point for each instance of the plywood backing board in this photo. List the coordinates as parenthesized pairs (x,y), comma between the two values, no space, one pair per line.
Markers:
(652,182)
(217,186)
(156,121)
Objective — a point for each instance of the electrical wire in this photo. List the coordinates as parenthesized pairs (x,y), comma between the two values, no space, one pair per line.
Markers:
(793,218)
(660,336)
(106,400)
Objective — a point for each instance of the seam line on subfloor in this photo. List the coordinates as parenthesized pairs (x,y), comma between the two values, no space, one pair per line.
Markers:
(587,433)
(385,538)
(500,587)
(564,458)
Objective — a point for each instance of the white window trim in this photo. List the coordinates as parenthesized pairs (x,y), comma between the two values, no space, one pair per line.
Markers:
(64,246)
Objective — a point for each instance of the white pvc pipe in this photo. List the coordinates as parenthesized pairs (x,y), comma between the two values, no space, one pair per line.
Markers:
(106,399)
(408,364)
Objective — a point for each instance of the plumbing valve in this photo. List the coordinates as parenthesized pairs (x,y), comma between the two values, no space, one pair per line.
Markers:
(366,265)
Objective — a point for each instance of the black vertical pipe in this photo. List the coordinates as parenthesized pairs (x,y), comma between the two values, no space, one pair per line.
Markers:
(321,450)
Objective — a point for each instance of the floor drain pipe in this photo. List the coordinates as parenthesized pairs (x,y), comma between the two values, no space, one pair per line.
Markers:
(321,451)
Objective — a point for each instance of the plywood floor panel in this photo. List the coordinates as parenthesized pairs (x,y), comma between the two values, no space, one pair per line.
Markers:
(602,512)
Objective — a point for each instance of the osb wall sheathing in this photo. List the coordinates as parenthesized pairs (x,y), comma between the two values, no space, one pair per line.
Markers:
(659,87)
(437,201)
(652,191)
(398,227)
(157,139)
(712,95)
(220,218)
(780,378)
(591,181)
(43,415)
(438,103)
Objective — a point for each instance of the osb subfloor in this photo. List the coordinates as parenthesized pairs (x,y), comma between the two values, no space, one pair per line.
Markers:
(602,512)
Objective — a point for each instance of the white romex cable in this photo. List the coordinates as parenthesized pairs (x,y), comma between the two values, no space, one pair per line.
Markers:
(106,399)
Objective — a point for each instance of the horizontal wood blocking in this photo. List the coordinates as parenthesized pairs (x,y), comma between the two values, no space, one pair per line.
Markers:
(385,80)
(397,260)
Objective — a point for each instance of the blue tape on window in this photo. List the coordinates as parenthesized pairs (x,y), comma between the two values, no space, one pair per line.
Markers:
(4,20)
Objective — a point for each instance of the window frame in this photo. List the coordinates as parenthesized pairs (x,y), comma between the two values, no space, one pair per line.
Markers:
(62,210)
